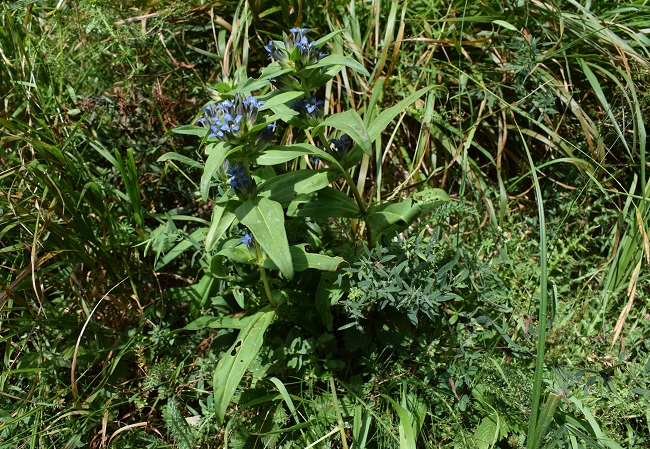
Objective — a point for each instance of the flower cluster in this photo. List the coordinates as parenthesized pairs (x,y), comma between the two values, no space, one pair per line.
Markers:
(341,146)
(241,183)
(298,54)
(310,112)
(298,51)
(231,121)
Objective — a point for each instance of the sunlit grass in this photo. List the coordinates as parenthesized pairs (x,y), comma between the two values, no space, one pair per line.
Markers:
(540,109)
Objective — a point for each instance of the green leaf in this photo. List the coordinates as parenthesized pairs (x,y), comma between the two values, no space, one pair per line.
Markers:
(278,154)
(302,260)
(218,322)
(327,37)
(505,24)
(191,241)
(238,252)
(351,124)
(282,98)
(486,433)
(265,219)
(328,202)
(546,414)
(223,215)
(233,364)
(387,115)
(340,60)
(191,130)
(217,155)
(430,198)
(407,438)
(392,216)
(286,187)
(197,295)
(171,156)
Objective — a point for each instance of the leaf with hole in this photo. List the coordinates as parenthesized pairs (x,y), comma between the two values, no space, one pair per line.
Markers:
(233,364)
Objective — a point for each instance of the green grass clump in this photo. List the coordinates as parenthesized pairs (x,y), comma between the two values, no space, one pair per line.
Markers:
(111,332)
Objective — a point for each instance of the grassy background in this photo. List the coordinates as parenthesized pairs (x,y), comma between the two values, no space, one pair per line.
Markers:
(89,307)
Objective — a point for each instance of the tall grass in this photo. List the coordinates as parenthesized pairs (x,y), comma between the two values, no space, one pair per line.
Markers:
(538,123)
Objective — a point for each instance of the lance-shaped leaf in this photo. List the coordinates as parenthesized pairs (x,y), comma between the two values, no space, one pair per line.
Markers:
(265,219)
(389,217)
(218,154)
(429,199)
(351,124)
(327,203)
(339,60)
(286,187)
(233,364)
(171,156)
(282,98)
(302,260)
(190,241)
(191,130)
(223,215)
(278,154)
(387,115)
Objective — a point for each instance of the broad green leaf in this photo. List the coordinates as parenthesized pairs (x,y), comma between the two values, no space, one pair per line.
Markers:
(486,433)
(277,154)
(302,260)
(387,115)
(172,156)
(351,124)
(430,198)
(223,215)
(265,219)
(286,187)
(282,98)
(233,364)
(216,157)
(239,253)
(340,60)
(191,130)
(392,216)
(329,202)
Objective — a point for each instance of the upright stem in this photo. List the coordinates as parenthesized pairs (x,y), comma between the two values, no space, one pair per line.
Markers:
(267,286)
(353,186)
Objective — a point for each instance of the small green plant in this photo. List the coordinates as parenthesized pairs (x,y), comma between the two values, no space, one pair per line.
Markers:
(275,203)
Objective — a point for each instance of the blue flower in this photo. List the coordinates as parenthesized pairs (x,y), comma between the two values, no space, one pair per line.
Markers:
(312,104)
(297,52)
(241,183)
(310,111)
(238,178)
(231,120)
(247,240)
(341,146)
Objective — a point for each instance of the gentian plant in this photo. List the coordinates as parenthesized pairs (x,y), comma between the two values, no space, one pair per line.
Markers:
(260,188)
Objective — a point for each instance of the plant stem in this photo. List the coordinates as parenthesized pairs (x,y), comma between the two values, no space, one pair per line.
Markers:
(353,186)
(267,286)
